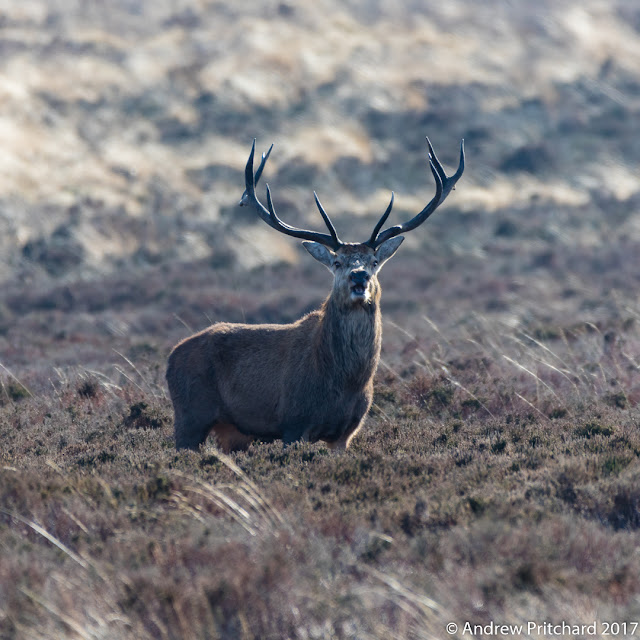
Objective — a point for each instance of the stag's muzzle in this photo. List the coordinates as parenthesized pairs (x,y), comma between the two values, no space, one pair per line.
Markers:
(359,281)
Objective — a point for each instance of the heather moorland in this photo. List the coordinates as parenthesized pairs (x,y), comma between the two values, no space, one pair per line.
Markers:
(497,479)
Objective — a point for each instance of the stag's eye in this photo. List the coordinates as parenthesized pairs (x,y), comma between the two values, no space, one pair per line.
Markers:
(375,264)
(337,264)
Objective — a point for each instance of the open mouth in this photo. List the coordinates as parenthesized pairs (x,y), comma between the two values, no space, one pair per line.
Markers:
(358,289)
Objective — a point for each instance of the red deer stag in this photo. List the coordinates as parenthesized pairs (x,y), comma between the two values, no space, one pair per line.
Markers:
(311,380)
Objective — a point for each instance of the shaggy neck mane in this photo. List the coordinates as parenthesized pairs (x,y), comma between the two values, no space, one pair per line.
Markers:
(349,340)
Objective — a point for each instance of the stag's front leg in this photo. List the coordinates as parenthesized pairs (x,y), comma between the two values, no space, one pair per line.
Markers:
(343,442)
(337,446)
(295,434)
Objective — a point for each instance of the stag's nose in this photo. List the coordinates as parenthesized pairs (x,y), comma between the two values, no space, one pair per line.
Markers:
(359,277)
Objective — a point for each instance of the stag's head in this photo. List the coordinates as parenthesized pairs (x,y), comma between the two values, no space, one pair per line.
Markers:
(354,266)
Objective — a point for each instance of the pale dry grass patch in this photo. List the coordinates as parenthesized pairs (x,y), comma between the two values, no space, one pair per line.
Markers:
(132,105)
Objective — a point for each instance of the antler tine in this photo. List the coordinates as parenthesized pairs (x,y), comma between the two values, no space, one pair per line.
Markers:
(249,182)
(448,183)
(265,157)
(269,215)
(327,220)
(391,232)
(444,185)
(382,220)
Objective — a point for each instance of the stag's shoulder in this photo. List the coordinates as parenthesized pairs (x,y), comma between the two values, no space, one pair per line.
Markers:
(310,320)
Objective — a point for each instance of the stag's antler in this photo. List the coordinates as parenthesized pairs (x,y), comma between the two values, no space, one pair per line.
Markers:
(269,215)
(444,185)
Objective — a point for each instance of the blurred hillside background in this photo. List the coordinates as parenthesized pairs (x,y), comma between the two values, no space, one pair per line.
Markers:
(125,126)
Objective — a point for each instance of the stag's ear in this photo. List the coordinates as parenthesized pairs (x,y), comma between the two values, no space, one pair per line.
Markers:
(387,249)
(320,253)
